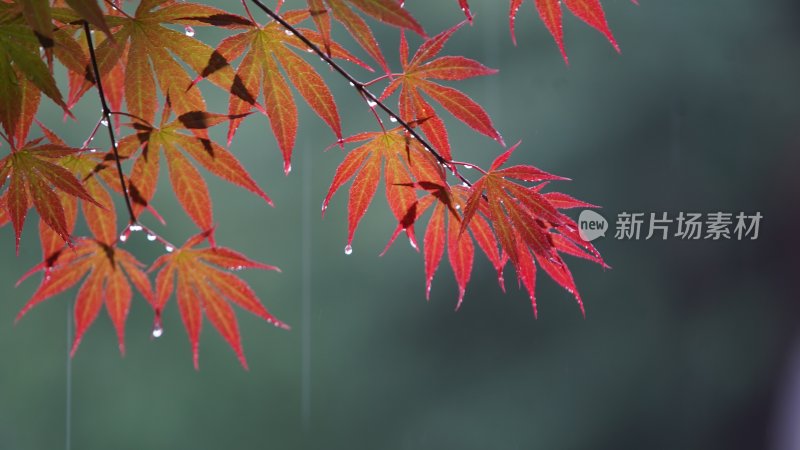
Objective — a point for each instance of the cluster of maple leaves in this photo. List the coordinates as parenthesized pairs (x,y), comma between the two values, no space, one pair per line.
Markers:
(148,47)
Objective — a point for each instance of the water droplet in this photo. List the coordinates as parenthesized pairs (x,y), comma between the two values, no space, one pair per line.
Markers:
(136,228)
(372,103)
(288,32)
(104,122)
(467,166)
(123,237)
(189,31)
(392,119)
(158,331)
(348,249)
(169,248)
(352,84)
(151,237)
(92,150)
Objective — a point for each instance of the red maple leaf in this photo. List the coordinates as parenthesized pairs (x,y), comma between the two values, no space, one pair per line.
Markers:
(205,283)
(528,224)
(589,11)
(416,80)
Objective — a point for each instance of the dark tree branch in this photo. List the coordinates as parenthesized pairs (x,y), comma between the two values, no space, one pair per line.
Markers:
(370,98)
(107,119)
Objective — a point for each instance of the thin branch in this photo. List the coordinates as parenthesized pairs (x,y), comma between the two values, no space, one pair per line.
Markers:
(152,236)
(370,98)
(107,119)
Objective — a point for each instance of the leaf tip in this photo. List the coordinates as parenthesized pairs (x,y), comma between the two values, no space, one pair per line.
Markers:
(461,292)
(75,343)
(195,357)
(279,324)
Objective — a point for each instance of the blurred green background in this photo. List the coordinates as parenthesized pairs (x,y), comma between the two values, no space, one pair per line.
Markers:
(686,344)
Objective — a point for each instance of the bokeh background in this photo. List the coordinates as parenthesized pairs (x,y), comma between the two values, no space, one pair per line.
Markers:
(686,344)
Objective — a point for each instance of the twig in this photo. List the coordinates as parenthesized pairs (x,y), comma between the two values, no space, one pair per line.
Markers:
(107,119)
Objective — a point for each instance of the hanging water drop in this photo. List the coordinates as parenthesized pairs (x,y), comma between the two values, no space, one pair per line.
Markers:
(158,331)
(372,103)
(348,249)
(123,237)
(392,119)
(104,122)
(169,248)
(135,228)
(189,31)
(288,32)
(151,237)
(467,166)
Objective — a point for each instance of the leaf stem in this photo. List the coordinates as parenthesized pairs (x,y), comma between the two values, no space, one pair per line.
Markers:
(371,99)
(118,9)
(467,165)
(7,139)
(107,118)
(132,116)
(380,78)
(249,14)
(92,135)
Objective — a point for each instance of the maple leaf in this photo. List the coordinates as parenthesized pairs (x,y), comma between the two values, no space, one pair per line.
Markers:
(401,159)
(589,11)
(34,176)
(149,49)
(266,50)
(205,283)
(109,273)
(98,257)
(415,80)
(528,225)
(21,66)
(386,11)
(188,185)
